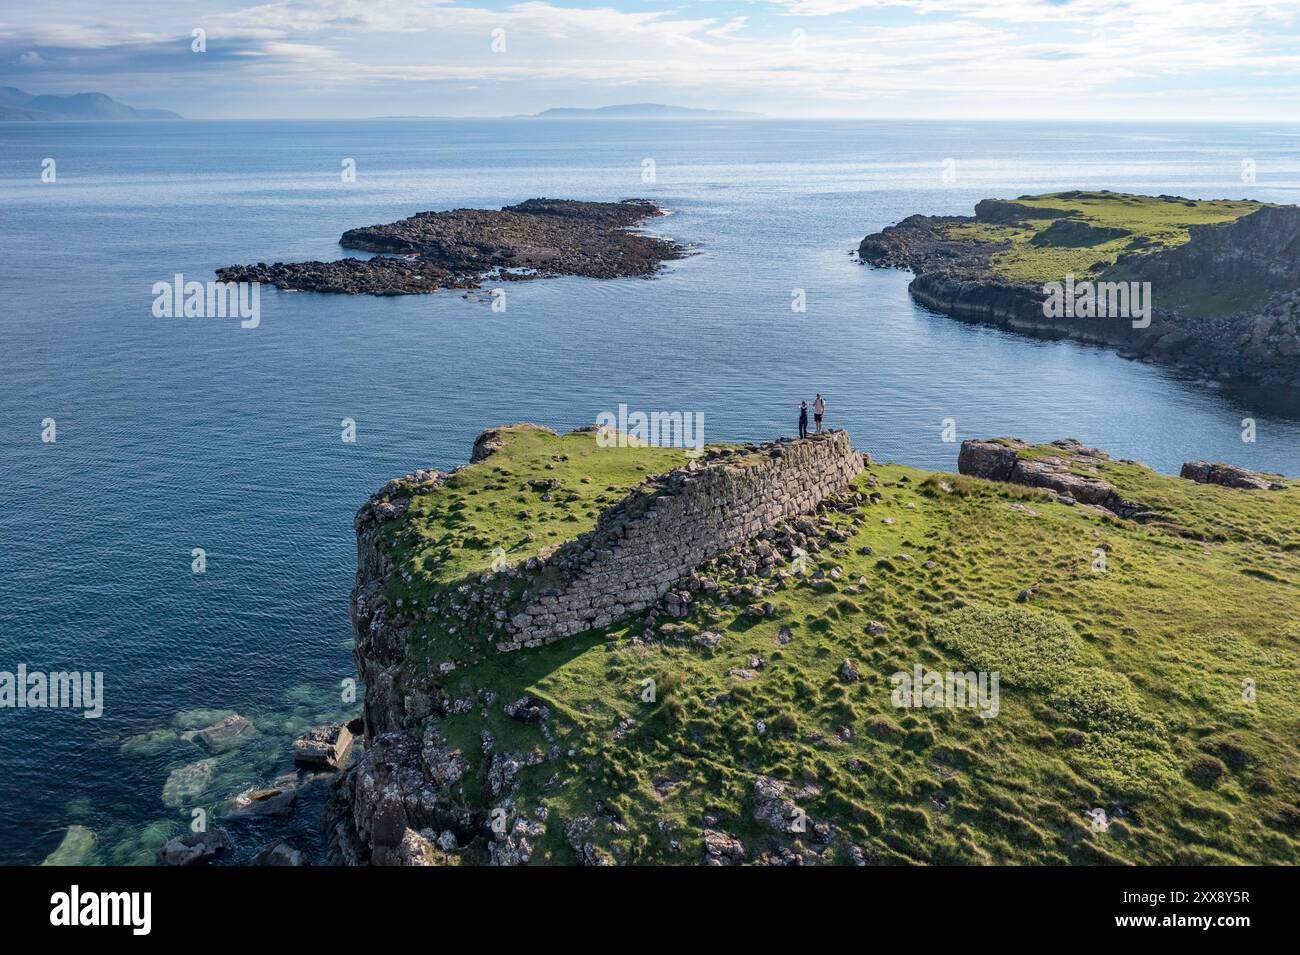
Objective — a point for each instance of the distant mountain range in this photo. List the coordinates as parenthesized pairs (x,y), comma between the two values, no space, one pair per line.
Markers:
(643,111)
(19,106)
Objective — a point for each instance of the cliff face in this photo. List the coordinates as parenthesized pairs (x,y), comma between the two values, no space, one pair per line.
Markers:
(1254,257)
(1261,248)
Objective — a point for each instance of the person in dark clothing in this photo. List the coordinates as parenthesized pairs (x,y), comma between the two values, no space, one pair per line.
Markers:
(803,419)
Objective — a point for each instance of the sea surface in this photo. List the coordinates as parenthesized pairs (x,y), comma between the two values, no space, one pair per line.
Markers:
(173,434)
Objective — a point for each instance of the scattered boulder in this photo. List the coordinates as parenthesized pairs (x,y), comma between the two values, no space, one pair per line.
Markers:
(323,746)
(721,848)
(193,848)
(279,853)
(1002,459)
(528,709)
(267,801)
(771,805)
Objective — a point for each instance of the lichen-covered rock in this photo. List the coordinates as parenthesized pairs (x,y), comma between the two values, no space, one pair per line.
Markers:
(722,848)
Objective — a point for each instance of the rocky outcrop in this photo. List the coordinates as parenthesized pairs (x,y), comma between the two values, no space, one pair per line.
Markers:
(1229,475)
(1072,475)
(463,248)
(1002,459)
(1259,251)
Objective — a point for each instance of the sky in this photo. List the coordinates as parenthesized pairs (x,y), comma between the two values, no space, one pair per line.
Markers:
(976,59)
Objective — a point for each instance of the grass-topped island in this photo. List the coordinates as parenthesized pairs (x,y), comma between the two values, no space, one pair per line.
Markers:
(1131,640)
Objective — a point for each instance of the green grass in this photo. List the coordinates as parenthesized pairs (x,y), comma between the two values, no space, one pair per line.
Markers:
(1122,689)
(1153,223)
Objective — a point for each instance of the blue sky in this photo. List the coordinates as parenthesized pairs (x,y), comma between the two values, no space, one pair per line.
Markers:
(1050,59)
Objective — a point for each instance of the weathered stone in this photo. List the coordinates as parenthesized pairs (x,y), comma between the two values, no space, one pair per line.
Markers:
(267,801)
(323,746)
(722,848)
(280,853)
(194,848)
(1229,475)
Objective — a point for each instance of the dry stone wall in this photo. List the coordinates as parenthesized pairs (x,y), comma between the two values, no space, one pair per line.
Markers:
(668,527)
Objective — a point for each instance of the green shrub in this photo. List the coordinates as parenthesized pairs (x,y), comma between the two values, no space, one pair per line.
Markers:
(1205,770)
(1126,765)
(1100,700)
(1028,647)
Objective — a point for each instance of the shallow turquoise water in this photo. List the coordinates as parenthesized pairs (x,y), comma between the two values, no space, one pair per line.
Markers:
(175,434)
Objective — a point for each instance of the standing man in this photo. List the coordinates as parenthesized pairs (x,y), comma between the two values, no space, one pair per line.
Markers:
(819,409)
(803,419)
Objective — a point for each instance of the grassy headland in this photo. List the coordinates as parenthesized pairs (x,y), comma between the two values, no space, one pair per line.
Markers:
(1123,688)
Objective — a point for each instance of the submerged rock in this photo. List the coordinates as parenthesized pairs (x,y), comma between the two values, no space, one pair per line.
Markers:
(148,744)
(226,733)
(200,717)
(75,849)
(188,781)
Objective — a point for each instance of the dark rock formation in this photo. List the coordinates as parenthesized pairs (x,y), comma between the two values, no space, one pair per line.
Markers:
(462,248)
(280,853)
(193,848)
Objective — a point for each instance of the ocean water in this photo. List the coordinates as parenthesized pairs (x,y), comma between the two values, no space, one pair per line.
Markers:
(175,434)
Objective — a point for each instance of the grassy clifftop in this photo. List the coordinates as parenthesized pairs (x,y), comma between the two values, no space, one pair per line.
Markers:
(772,733)
(1042,249)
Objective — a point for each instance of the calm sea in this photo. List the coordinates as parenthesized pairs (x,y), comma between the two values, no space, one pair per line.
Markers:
(176,434)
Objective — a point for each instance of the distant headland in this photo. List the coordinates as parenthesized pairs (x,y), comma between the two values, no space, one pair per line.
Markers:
(19,106)
(642,111)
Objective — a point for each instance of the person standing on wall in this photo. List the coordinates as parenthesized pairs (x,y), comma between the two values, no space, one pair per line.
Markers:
(803,419)
(819,409)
